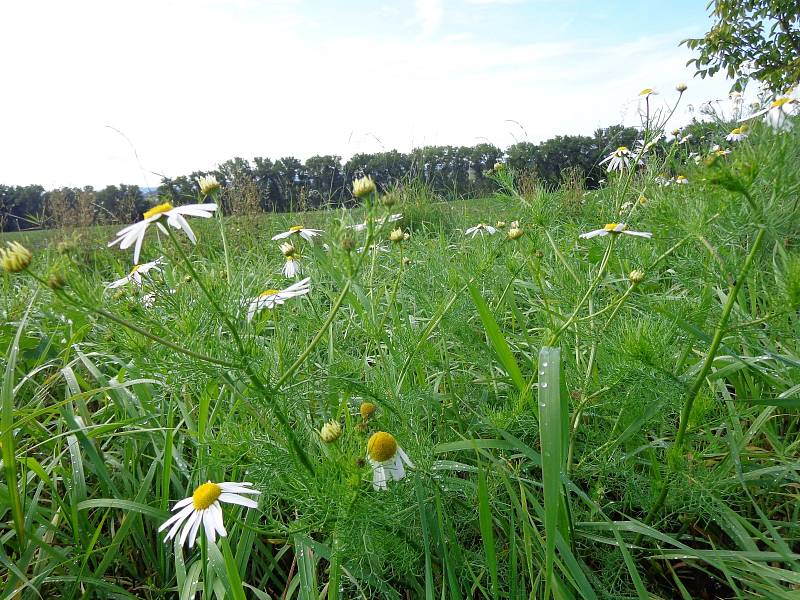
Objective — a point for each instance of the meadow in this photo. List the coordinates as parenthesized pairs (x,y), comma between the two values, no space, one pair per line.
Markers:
(604,417)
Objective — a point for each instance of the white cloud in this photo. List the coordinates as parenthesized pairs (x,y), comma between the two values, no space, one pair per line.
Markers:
(192,88)
(429,14)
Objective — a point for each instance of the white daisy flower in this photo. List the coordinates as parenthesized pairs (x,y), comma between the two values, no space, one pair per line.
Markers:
(378,222)
(135,276)
(148,300)
(133,235)
(618,160)
(777,113)
(203,508)
(386,458)
(379,247)
(272,298)
(292,266)
(481,228)
(680,180)
(614,228)
(737,134)
(685,139)
(306,234)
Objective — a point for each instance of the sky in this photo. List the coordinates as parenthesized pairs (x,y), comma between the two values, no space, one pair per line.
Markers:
(102,92)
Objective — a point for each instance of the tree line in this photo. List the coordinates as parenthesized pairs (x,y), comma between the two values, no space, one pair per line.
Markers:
(288,184)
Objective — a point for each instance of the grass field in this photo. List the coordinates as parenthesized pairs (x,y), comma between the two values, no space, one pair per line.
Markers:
(613,417)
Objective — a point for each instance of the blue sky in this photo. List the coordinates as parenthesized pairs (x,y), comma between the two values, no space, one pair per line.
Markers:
(192,83)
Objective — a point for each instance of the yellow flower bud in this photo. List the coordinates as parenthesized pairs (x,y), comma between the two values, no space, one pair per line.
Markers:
(636,276)
(366,409)
(681,87)
(396,235)
(515,233)
(287,249)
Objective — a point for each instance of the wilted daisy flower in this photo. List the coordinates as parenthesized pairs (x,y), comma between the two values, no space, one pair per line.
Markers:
(480,228)
(203,508)
(15,257)
(717,150)
(287,249)
(618,160)
(208,184)
(363,186)
(135,276)
(330,432)
(379,247)
(272,298)
(500,224)
(614,228)
(175,215)
(386,458)
(303,232)
(737,134)
(292,266)
(378,222)
(396,235)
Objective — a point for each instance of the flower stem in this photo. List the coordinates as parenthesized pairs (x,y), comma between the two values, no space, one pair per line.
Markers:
(598,277)
(699,381)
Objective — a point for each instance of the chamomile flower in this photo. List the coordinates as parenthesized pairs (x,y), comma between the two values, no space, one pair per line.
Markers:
(203,508)
(618,160)
(482,229)
(614,229)
(647,92)
(303,232)
(135,276)
(777,113)
(272,298)
(685,139)
(737,134)
(377,222)
(292,266)
(386,458)
(133,235)
(680,180)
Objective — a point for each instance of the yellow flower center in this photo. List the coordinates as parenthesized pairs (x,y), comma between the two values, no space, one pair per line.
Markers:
(205,495)
(266,293)
(780,102)
(381,446)
(737,131)
(134,269)
(296,228)
(622,150)
(646,92)
(610,226)
(680,178)
(157,210)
